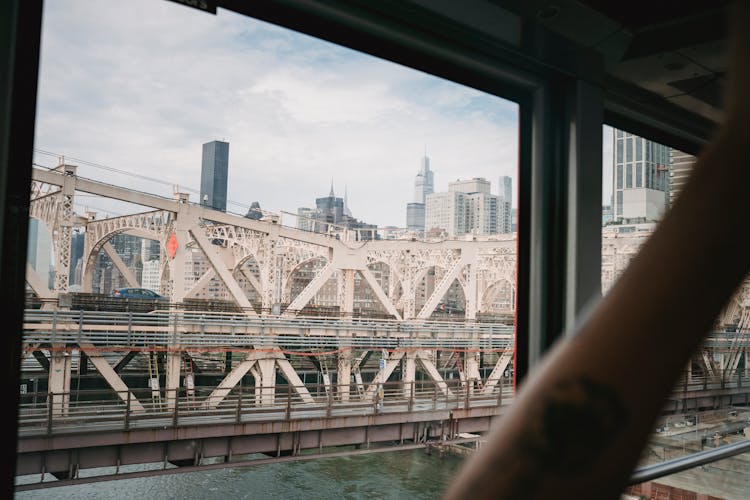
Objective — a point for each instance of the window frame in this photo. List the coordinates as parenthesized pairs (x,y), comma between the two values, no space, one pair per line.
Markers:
(562,105)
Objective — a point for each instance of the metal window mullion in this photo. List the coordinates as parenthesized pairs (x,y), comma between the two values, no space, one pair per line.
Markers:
(20,34)
(545,223)
(584,201)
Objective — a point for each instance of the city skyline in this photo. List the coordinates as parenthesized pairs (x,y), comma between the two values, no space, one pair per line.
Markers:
(298,111)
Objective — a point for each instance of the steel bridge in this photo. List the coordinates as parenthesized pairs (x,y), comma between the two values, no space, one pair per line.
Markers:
(181,386)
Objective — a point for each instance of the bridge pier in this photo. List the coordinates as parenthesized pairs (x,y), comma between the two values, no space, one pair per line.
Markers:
(344,373)
(59,380)
(172,377)
(265,383)
(410,368)
(471,360)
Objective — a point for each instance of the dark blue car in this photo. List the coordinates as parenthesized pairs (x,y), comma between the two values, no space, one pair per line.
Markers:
(137,293)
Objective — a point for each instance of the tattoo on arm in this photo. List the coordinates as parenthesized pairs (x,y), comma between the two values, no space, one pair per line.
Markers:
(565,434)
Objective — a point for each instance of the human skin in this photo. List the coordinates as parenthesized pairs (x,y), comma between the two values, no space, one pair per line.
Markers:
(582,418)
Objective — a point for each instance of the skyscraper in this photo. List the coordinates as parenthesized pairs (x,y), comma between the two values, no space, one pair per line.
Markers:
(505,188)
(641,178)
(330,208)
(39,251)
(423,182)
(415,216)
(505,225)
(423,185)
(214,173)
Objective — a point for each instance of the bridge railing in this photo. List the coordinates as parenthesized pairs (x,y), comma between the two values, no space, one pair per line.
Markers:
(92,410)
(191,330)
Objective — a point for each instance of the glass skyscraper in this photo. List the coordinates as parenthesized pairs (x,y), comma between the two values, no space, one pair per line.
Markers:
(214,173)
(641,178)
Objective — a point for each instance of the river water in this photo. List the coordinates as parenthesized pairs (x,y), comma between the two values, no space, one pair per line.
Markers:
(394,475)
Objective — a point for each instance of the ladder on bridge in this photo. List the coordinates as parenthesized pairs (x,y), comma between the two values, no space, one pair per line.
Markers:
(153,377)
(356,369)
(460,368)
(455,361)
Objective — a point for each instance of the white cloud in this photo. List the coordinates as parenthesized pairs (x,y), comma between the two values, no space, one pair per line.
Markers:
(141,86)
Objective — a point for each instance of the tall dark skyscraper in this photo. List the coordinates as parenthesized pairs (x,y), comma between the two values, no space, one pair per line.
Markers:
(214,173)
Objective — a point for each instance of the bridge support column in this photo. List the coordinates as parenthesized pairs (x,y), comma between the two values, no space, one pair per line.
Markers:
(344,374)
(172,375)
(266,386)
(59,381)
(471,299)
(64,230)
(177,263)
(346,292)
(471,360)
(410,369)
(408,299)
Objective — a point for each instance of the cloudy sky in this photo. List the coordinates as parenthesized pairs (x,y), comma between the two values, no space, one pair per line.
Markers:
(139,86)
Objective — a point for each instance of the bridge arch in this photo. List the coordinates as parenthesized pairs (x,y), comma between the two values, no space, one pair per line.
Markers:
(501,287)
(296,283)
(95,244)
(248,274)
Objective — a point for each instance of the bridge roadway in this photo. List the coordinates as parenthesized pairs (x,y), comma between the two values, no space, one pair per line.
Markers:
(210,329)
(63,431)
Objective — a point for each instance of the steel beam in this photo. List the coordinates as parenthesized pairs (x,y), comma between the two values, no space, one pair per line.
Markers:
(111,377)
(432,371)
(223,271)
(381,377)
(312,288)
(497,372)
(120,265)
(38,285)
(293,379)
(379,293)
(442,288)
(231,380)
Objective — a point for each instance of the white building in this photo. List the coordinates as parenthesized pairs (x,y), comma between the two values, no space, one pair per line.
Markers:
(196,265)
(446,210)
(475,185)
(151,277)
(306,218)
(482,213)
(468,207)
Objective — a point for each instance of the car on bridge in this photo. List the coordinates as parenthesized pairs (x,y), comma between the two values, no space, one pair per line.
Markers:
(137,300)
(137,293)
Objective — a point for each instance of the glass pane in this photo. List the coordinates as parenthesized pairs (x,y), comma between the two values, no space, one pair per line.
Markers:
(305,209)
(705,407)
(728,478)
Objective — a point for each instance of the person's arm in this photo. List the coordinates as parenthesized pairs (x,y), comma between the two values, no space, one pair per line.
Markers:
(580,421)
